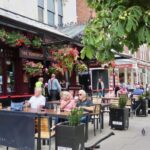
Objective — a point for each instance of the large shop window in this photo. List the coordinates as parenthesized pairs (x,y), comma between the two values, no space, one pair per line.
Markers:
(10,76)
(1,78)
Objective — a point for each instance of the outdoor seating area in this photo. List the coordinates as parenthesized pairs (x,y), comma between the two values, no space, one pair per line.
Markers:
(44,128)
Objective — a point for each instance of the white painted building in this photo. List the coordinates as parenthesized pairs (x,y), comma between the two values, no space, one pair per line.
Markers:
(21,7)
(51,12)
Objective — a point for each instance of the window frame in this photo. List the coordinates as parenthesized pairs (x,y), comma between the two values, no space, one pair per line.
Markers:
(60,13)
(52,12)
(41,6)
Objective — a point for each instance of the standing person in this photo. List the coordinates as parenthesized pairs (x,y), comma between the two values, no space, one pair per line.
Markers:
(100,87)
(39,83)
(54,88)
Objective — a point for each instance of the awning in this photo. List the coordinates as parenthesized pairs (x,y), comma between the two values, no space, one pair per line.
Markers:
(125,63)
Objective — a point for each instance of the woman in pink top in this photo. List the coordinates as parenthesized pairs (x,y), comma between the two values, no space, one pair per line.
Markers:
(67,102)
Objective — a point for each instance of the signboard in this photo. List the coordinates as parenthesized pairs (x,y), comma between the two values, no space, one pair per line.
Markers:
(143,66)
(25,53)
(94,64)
(124,66)
(64,148)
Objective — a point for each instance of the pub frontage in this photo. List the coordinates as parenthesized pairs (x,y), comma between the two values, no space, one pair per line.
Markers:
(23,44)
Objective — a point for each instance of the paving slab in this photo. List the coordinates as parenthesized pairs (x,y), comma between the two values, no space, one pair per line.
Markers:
(131,139)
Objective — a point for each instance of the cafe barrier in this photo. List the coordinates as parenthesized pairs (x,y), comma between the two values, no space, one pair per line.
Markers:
(17,130)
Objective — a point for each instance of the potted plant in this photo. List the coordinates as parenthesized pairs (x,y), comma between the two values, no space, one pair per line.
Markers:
(71,134)
(147,97)
(143,109)
(32,68)
(119,115)
(65,59)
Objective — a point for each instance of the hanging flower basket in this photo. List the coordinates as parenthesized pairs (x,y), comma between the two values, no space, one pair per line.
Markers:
(17,39)
(3,35)
(32,68)
(65,59)
(36,42)
(81,67)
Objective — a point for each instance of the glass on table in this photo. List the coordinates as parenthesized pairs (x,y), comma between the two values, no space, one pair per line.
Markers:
(1,107)
(58,109)
(55,107)
(26,105)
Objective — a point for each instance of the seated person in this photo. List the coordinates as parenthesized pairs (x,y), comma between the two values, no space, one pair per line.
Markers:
(138,90)
(38,100)
(123,90)
(86,104)
(67,103)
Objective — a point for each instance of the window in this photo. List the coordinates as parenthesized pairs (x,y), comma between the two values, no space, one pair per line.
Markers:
(51,12)
(60,13)
(1,78)
(10,76)
(41,10)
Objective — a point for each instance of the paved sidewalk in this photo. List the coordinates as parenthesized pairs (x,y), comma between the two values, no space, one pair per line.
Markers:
(131,139)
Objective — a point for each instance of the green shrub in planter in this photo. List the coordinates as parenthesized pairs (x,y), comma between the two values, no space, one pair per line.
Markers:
(72,134)
(141,97)
(75,117)
(122,101)
(119,116)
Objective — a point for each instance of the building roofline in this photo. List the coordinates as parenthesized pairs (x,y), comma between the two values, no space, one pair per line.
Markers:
(14,20)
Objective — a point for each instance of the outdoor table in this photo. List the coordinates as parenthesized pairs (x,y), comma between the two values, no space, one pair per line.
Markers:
(57,102)
(107,100)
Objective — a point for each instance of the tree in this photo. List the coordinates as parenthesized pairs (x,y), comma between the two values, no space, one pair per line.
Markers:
(118,23)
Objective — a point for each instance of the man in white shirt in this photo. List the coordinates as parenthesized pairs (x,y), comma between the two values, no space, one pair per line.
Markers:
(38,100)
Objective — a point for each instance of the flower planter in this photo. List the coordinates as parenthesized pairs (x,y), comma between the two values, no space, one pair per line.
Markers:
(119,118)
(70,136)
(143,109)
(148,106)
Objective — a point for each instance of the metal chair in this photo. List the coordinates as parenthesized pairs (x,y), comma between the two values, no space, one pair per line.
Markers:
(96,118)
(47,132)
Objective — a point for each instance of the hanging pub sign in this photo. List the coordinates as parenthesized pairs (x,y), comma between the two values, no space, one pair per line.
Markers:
(31,54)
(94,64)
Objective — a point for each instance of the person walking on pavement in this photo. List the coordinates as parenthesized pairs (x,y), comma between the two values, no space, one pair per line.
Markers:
(100,87)
(54,88)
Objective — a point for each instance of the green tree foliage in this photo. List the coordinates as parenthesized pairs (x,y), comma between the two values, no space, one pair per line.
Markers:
(117,23)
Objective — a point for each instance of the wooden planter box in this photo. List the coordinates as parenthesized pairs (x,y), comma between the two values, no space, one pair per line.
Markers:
(70,137)
(119,118)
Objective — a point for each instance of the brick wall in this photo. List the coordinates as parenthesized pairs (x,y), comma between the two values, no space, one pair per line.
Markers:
(84,13)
